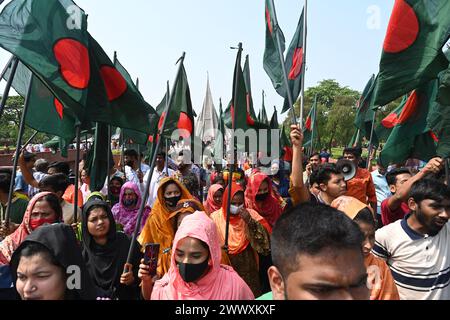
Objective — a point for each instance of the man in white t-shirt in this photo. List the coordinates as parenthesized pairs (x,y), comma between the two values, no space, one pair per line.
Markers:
(159,172)
(417,248)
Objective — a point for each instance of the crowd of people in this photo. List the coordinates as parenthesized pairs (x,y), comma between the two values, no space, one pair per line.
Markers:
(299,230)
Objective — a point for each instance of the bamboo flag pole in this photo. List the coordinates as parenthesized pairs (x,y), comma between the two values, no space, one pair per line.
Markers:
(152,167)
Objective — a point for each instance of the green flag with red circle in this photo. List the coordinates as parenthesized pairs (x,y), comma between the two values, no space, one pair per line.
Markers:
(412,50)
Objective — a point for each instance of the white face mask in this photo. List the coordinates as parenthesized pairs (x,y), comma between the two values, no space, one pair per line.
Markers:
(235,210)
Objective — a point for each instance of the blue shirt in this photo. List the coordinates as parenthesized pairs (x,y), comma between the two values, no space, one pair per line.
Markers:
(381,188)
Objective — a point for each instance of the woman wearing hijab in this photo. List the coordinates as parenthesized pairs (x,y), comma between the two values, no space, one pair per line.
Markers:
(260,196)
(126,210)
(380,280)
(195,271)
(160,225)
(214,199)
(44,264)
(43,208)
(105,253)
(249,235)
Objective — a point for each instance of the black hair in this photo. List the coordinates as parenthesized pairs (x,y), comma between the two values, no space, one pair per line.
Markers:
(365,216)
(315,154)
(60,167)
(118,179)
(324,172)
(131,153)
(41,165)
(190,181)
(168,183)
(57,182)
(34,249)
(54,203)
(309,229)
(5,180)
(356,151)
(431,189)
(391,176)
(161,154)
(28,156)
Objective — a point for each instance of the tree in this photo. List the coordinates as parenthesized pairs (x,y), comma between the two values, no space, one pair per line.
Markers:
(10,121)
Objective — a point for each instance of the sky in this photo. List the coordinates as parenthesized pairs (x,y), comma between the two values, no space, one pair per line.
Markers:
(344,42)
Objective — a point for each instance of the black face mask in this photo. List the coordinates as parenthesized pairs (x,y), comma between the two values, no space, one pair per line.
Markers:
(172,201)
(191,272)
(261,197)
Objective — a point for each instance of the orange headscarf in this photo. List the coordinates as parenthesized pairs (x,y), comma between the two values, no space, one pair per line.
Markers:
(271,208)
(210,205)
(237,235)
(159,227)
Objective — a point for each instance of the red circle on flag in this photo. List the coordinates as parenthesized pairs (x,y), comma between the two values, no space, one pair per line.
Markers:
(403,28)
(185,123)
(73,59)
(297,63)
(59,107)
(161,119)
(115,84)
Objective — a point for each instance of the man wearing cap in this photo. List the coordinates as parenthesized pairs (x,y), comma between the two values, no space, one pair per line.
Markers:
(361,186)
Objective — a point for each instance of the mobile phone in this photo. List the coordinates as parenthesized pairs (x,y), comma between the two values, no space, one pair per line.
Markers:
(151,253)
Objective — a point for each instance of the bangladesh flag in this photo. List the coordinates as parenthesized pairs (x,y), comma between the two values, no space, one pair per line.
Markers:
(412,55)
(294,64)
(356,140)
(274,124)
(45,112)
(136,136)
(384,129)
(219,143)
(411,136)
(444,87)
(181,113)
(98,157)
(365,110)
(51,39)
(272,61)
(310,129)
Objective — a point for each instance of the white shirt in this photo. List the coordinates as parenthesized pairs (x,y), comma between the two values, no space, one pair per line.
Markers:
(154,183)
(419,264)
(132,176)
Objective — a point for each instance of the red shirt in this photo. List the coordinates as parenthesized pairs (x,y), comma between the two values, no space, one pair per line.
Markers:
(388,216)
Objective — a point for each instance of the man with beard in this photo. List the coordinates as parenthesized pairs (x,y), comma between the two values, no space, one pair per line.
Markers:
(417,247)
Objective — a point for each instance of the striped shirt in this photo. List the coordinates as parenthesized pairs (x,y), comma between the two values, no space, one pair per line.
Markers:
(420,264)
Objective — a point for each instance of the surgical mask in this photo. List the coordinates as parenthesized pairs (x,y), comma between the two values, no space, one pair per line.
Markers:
(191,272)
(129,202)
(261,196)
(235,209)
(172,201)
(35,223)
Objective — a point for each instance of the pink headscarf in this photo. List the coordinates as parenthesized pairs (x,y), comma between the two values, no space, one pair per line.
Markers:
(12,242)
(220,283)
(210,205)
(126,216)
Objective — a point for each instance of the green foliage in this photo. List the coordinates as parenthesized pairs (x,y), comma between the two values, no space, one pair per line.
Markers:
(10,121)
(336,112)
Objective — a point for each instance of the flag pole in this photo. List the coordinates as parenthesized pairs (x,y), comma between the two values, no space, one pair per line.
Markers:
(313,126)
(369,150)
(5,96)
(152,167)
(77,168)
(302,97)
(108,166)
(28,141)
(167,149)
(447,173)
(17,152)
(232,160)
(283,66)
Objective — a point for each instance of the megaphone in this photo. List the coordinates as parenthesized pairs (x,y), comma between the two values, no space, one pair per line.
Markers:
(347,168)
